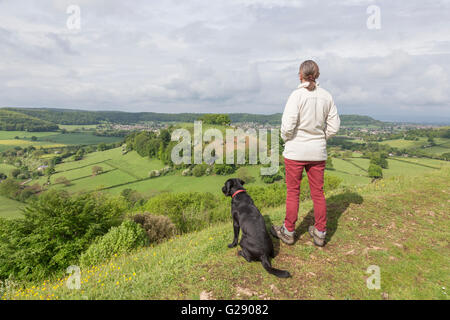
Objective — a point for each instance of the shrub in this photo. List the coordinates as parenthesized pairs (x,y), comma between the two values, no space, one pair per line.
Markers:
(375,171)
(118,240)
(329,164)
(271,179)
(23,176)
(56,229)
(132,197)
(189,211)
(10,188)
(15,172)
(223,169)
(157,228)
(200,170)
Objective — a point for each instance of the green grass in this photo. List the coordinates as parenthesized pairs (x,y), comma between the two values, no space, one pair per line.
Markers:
(10,208)
(442,145)
(405,144)
(73,138)
(50,139)
(399,224)
(131,171)
(73,127)
(6,135)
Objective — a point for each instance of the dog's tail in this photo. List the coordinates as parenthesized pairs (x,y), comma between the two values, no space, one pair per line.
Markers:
(276,272)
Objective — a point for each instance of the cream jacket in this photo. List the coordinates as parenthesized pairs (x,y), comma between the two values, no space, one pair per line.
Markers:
(309,119)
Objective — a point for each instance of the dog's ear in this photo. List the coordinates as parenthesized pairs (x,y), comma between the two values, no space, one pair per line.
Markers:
(242,182)
(226,189)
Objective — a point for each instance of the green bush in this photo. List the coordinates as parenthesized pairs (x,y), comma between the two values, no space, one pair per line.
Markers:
(199,170)
(223,169)
(275,194)
(158,228)
(189,211)
(118,240)
(55,230)
(375,171)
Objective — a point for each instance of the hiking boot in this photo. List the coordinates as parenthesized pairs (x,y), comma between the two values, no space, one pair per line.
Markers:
(279,232)
(318,236)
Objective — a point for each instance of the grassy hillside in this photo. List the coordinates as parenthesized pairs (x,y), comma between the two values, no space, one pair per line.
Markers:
(442,145)
(399,224)
(17,121)
(81,117)
(10,208)
(131,171)
(23,139)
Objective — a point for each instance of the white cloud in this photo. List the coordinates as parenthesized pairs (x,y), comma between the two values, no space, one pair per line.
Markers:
(225,56)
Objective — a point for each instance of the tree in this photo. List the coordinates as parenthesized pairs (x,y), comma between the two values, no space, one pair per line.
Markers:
(101,147)
(63,180)
(199,170)
(379,159)
(3,176)
(33,138)
(219,119)
(96,170)
(55,230)
(375,171)
(15,173)
(329,164)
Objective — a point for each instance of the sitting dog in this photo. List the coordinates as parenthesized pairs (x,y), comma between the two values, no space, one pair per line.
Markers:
(256,243)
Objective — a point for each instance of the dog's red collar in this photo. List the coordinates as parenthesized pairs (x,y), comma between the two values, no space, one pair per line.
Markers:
(239,191)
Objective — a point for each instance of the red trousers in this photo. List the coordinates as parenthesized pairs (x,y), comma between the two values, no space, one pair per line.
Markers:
(315,171)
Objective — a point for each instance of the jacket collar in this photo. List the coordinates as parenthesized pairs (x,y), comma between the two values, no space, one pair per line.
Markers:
(305,84)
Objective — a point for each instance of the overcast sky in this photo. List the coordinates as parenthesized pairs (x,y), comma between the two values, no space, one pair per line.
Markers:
(226,56)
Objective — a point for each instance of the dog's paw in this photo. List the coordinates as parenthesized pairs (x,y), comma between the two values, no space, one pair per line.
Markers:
(232,245)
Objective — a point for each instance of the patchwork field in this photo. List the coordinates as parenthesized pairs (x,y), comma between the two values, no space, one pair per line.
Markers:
(442,145)
(11,139)
(131,171)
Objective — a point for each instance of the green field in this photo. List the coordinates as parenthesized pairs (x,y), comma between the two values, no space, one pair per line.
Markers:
(442,145)
(50,139)
(84,138)
(390,224)
(10,208)
(131,171)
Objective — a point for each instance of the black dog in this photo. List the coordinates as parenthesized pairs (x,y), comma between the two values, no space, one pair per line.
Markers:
(256,243)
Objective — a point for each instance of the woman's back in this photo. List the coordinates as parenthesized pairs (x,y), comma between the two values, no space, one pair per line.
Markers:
(309,119)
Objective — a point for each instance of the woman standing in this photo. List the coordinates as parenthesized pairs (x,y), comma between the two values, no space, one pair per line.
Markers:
(309,119)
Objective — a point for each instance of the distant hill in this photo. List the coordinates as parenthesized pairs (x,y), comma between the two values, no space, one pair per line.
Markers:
(81,117)
(18,121)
